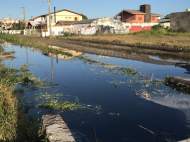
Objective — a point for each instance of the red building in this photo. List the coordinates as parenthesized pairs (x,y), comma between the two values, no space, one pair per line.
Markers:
(138,16)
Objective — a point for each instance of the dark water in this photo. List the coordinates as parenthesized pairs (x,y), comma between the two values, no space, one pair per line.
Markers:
(121,110)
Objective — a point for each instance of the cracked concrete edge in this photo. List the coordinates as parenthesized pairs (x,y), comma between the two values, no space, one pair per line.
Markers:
(56,129)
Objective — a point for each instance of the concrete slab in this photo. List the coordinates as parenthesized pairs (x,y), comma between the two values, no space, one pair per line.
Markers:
(56,129)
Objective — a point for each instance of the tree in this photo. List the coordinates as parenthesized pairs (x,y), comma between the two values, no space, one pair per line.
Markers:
(18,26)
(116,18)
(84,17)
(167,16)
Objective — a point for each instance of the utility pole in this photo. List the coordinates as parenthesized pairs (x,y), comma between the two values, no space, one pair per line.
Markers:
(24,16)
(49,18)
(10,16)
(10,19)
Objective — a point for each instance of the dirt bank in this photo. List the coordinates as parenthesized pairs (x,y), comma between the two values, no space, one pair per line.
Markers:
(111,49)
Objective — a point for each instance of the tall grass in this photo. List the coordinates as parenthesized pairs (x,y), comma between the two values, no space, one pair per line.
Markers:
(151,33)
(159,37)
(31,43)
(14,124)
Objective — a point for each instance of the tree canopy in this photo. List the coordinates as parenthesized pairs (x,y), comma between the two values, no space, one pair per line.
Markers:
(167,16)
(84,17)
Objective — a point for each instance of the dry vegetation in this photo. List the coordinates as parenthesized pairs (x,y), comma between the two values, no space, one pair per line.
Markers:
(158,38)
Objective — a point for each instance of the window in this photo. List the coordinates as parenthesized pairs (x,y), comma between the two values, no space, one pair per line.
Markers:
(51,19)
(76,19)
(69,17)
(140,18)
(133,18)
(66,17)
(153,18)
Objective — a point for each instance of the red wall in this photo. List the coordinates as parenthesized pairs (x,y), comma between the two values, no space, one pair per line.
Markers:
(139,28)
(136,18)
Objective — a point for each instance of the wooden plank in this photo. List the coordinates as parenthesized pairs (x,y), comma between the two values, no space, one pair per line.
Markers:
(56,129)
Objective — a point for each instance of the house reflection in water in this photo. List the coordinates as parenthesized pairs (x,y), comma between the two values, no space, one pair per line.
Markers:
(7,44)
(64,57)
(60,56)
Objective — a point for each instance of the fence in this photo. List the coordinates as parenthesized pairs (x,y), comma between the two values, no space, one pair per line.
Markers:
(10,31)
(36,32)
(81,31)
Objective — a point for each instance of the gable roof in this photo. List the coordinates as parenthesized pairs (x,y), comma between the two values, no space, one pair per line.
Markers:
(153,14)
(64,10)
(89,21)
(65,23)
(163,21)
(136,12)
(57,12)
(133,11)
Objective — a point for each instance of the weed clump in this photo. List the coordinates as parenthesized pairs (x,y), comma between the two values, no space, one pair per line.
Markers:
(86,60)
(182,30)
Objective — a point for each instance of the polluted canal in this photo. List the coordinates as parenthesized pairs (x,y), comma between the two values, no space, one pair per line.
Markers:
(120,99)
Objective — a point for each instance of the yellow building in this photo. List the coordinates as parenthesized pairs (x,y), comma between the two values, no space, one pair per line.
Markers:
(61,15)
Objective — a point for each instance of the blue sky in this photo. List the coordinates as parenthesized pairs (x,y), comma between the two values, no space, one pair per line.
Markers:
(91,8)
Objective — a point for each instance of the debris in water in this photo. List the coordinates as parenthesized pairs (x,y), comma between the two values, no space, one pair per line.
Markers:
(98,106)
(112,113)
(151,77)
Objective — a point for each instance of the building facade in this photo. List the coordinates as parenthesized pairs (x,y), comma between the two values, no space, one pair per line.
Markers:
(7,23)
(143,15)
(61,15)
(180,20)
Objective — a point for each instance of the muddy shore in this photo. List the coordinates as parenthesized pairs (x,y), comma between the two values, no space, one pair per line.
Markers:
(115,49)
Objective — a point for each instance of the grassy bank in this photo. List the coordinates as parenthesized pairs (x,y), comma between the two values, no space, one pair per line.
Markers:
(31,43)
(15,125)
(154,37)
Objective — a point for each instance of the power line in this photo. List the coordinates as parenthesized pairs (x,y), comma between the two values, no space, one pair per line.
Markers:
(24,16)
(10,16)
(37,8)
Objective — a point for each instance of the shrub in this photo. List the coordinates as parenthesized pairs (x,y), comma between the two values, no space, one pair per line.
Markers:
(22,32)
(156,27)
(69,35)
(182,30)
(170,30)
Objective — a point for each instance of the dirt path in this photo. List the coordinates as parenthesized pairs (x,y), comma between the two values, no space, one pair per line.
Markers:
(125,52)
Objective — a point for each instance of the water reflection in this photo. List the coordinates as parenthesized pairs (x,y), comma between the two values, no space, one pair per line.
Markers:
(168,58)
(185,66)
(52,74)
(136,57)
(64,57)
(121,111)
(7,44)
(27,56)
(173,100)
